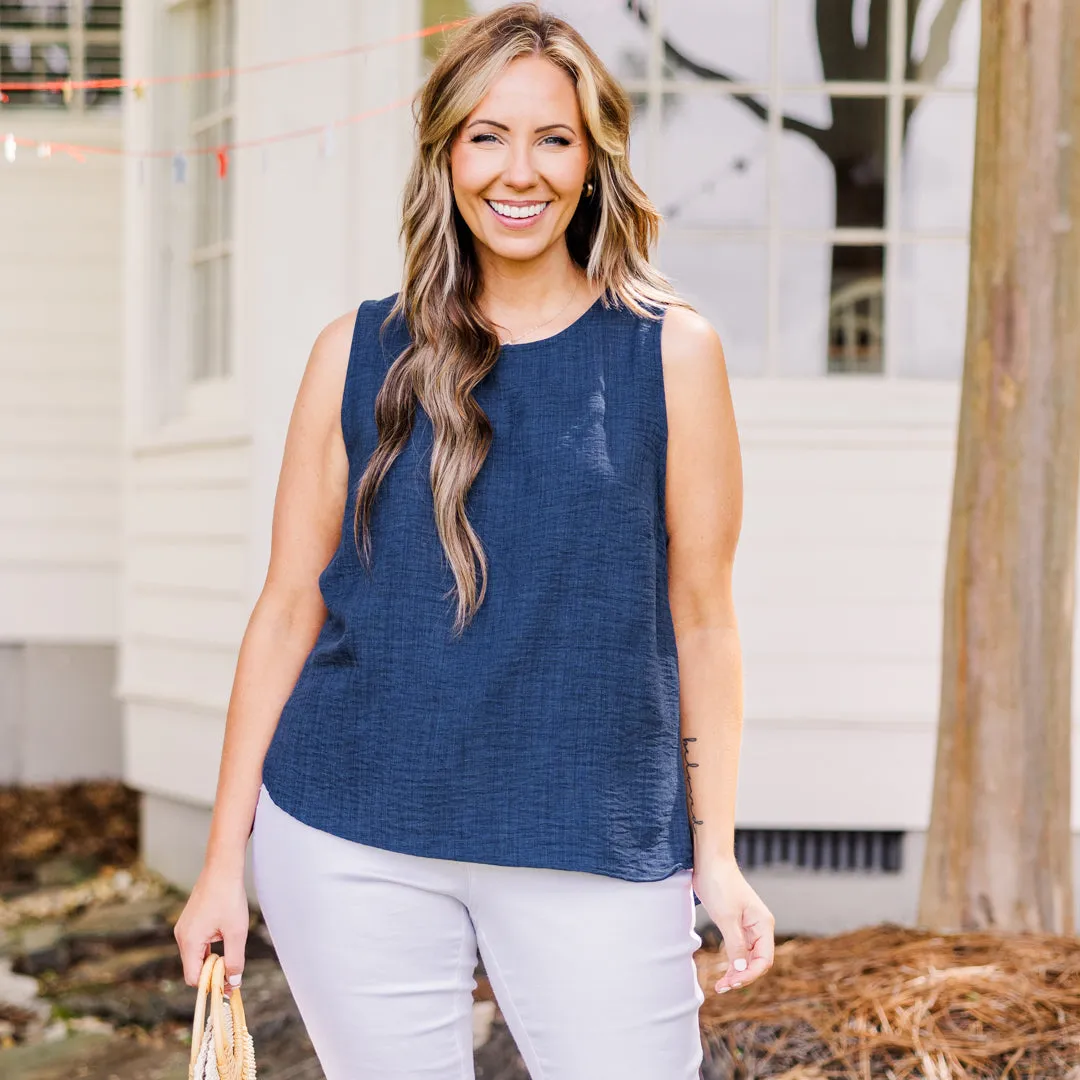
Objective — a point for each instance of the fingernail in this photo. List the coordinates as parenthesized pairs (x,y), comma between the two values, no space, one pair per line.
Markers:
(234,980)
(722,989)
(740,964)
(736,984)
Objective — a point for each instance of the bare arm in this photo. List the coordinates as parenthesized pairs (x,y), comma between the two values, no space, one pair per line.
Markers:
(704,518)
(284,624)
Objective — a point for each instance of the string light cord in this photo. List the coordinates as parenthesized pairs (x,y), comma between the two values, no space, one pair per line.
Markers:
(138,85)
(81,151)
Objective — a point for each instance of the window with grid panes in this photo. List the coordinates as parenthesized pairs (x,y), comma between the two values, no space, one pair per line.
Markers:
(212,126)
(812,160)
(42,41)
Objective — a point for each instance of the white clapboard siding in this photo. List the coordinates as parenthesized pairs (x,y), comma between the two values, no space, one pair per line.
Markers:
(839,588)
(61,397)
(61,503)
(212,567)
(185,616)
(208,512)
(809,775)
(168,670)
(62,468)
(172,750)
(186,604)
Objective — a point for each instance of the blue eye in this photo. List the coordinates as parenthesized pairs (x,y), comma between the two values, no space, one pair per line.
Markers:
(560,139)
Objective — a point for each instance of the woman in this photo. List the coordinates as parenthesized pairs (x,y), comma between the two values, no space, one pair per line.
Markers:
(460,721)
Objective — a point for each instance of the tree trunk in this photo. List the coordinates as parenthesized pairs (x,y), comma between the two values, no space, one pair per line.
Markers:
(998,848)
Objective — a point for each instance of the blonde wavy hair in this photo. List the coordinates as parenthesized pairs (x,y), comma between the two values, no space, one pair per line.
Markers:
(453,345)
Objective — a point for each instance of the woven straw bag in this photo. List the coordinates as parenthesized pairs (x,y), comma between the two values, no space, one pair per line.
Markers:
(221,1045)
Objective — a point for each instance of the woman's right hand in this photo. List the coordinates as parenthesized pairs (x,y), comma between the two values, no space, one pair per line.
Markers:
(216,910)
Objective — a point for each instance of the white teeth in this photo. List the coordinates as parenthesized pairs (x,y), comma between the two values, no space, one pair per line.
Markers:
(517,211)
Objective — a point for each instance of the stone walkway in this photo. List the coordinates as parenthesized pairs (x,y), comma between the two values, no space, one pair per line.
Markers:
(91,987)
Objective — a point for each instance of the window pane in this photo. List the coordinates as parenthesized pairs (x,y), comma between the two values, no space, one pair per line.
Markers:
(203,91)
(831,308)
(712,168)
(616,35)
(834,40)
(225,364)
(227,55)
(207,308)
(213,302)
(225,186)
(938,163)
(22,62)
(931,310)
(103,14)
(717,39)
(103,62)
(22,14)
(832,162)
(944,46)
(727,282)
(214,50)
(207,196)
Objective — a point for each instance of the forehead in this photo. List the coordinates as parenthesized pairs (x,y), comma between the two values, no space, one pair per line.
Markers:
(526,87)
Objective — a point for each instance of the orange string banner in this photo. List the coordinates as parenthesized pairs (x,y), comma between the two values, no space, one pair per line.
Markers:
(79,151)
(68,86)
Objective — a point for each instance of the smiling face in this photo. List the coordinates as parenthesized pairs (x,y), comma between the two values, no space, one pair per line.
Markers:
(519,161)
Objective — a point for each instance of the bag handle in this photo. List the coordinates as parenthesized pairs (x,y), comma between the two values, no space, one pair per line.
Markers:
(230,1059)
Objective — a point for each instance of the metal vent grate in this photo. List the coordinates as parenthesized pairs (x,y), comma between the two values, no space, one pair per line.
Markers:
(828,850)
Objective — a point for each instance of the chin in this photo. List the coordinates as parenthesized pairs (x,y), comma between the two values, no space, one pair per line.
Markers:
(520,252)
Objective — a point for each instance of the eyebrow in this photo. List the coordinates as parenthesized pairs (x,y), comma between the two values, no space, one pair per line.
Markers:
(503,127)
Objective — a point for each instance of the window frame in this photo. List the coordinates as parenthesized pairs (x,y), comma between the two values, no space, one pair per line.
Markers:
(895,90)
(193,401)
(77,37)
(216,201)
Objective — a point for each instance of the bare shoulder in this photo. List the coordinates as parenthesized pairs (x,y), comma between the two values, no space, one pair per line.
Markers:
(334,342)
(689,344)
(704,489)
(695,370)
(323,382)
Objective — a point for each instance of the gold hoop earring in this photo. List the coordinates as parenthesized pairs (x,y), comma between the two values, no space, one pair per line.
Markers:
(588,189)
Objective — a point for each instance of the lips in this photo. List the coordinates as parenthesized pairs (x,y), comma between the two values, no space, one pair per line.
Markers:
(517,214)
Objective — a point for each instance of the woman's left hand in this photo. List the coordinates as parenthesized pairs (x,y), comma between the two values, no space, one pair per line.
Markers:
(740,915)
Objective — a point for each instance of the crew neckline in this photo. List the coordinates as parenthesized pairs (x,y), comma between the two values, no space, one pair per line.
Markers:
(521,346)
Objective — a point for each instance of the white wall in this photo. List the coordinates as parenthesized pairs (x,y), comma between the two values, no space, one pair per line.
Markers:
(60,380)
(839,590)
(313,239)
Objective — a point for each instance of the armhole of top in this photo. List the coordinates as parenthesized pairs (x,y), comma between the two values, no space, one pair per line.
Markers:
(350,419)
(656,366)
(659,397)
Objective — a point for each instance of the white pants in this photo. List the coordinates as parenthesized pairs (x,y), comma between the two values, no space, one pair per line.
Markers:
(595,976)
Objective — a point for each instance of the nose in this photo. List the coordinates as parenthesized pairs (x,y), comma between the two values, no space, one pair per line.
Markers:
(520,172)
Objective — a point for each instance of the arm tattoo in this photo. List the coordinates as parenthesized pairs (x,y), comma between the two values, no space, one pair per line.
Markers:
(689,792)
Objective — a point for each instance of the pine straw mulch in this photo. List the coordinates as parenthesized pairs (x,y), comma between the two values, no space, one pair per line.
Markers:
(96,822)
(898,1004)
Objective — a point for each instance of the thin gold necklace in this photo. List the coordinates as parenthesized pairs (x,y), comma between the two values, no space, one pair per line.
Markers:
(525,333)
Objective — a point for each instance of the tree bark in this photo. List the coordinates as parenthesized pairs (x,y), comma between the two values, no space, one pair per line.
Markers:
(998,848)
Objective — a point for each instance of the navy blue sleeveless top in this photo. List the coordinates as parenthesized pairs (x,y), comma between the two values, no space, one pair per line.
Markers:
(547,734)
